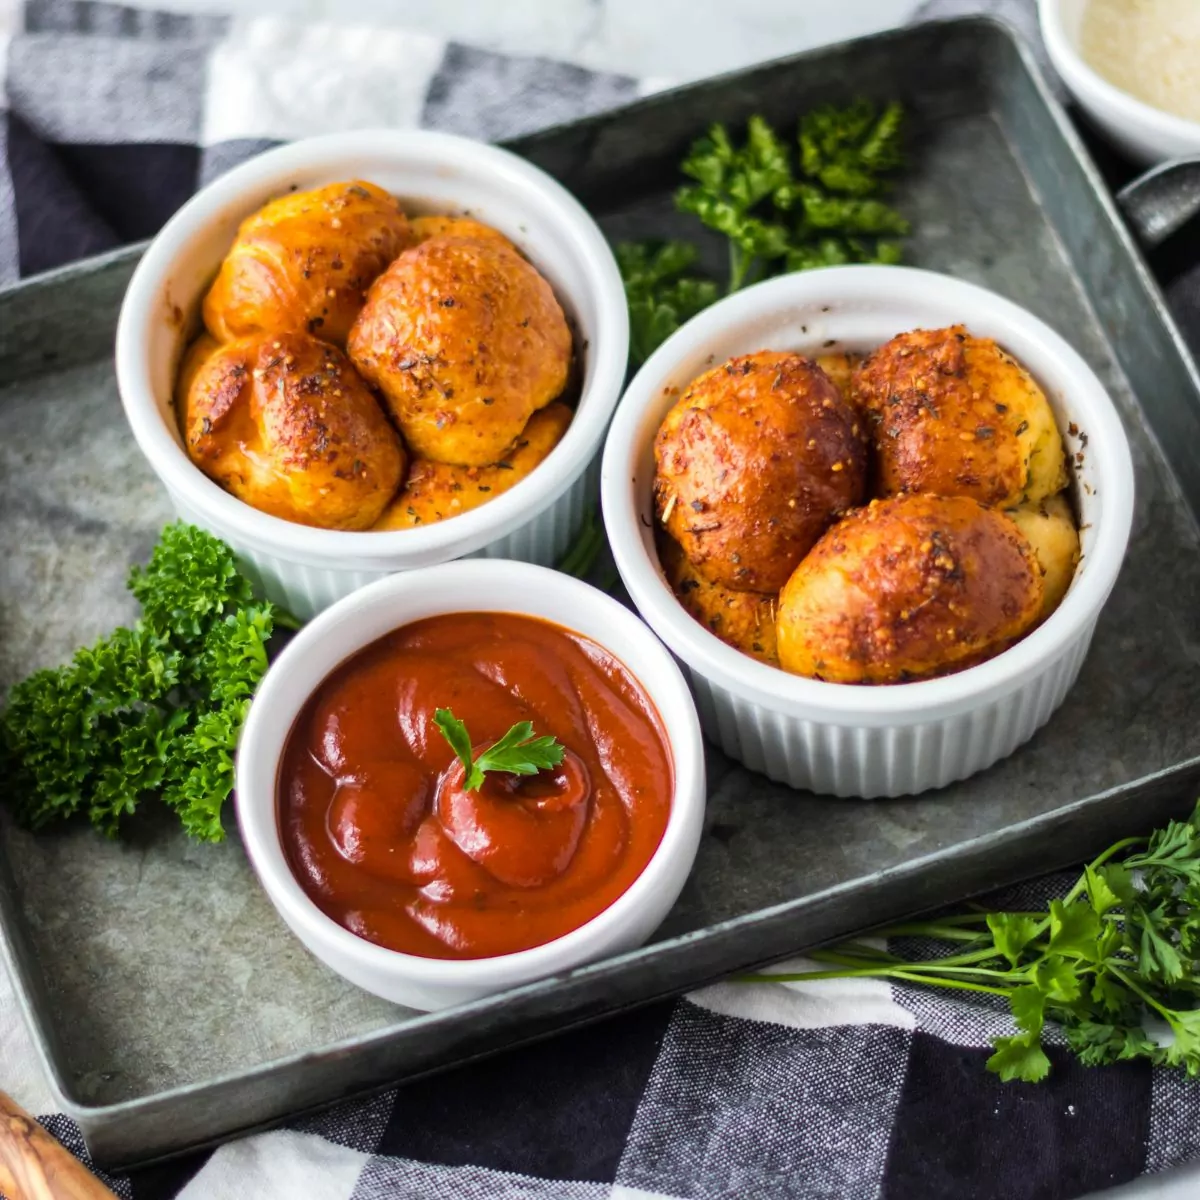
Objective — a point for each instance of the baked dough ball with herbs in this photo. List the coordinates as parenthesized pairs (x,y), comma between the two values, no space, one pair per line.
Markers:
(840,368)
(1050,528)
(305,261)
(437,491)
(954,415)
(284,423)
(743,620)
(908,588)
(754,461)
(465,341)
(437,225)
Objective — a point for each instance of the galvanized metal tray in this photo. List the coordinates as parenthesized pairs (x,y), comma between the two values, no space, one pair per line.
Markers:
(172,1005)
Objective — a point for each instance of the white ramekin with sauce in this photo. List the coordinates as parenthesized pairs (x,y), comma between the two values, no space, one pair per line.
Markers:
(477,586)
(304,568)
(847,740)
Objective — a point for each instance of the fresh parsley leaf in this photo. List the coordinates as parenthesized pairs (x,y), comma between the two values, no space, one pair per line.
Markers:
(1019,1058)
(455,732)
(1184,1051)
(1012,932)
(1029,1008)
(150,710)
(518,752)
(1112,962)
(847,149)
(1101,893)
(1074,929)
(777,212)
(1057,979)
(662,292)
(1158,958)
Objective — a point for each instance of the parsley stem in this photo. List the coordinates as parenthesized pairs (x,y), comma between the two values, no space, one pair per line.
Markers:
(1145,997)
(854,961)
(947,932)
(883,972)
(739,264)
(1081,885)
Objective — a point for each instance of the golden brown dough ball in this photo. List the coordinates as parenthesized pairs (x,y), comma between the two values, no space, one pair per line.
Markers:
(438,491)
(955,415)
(1049,526)
(754,461)
(908,588)
(305,261)
(743,620)
(424,228)
(466,341)
(840,368)
(285,424)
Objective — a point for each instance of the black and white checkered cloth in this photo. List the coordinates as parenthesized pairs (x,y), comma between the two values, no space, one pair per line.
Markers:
(841,1089)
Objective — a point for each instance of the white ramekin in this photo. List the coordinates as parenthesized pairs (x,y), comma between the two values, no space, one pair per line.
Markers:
(871,741)
(1145,133)
(472,586)
(307,569)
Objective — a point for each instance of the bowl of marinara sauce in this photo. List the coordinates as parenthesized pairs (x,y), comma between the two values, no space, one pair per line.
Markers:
(459,780)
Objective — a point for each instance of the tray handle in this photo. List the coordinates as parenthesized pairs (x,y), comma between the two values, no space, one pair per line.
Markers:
(1163,200)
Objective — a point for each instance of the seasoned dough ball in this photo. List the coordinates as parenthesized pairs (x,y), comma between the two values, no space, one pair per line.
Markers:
(908,588)
(305,261)
(743,620)
(955,415)
(754,461)
(466,341)
(437,491)
(840,368)
(424,228)
(285,424)
(1050,527)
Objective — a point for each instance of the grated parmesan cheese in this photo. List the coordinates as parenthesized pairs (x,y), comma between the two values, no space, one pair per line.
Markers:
(1148,48)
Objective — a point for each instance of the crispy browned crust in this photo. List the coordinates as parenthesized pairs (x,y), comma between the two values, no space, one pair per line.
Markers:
(305,261)
(743,620)
(424,228)
(754,461)
(439,491)
(954,415)
(285,424)
(466,341)
(908,588)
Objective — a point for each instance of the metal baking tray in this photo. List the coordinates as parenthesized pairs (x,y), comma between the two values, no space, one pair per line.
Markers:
(172,1005)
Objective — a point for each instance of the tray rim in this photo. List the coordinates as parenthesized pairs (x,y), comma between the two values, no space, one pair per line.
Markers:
(44,1034)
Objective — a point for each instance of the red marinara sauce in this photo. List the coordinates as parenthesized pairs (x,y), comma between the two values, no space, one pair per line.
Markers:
(376,825)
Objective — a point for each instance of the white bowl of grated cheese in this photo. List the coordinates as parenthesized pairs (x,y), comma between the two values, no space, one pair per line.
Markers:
(1134,67)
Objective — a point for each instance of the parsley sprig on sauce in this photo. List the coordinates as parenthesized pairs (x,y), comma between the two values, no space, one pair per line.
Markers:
(518,752)
(1115,963)
(781,208)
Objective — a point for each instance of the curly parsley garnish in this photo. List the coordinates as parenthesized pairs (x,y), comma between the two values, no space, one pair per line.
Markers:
(155,709)
(780,210)
(661,294)
(518,752)
(1118,954)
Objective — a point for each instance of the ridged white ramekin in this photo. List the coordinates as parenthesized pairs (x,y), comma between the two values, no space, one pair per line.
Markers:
(358,620)
(307,569)
(833,738)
